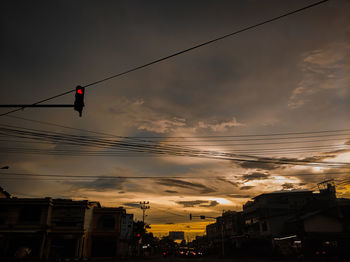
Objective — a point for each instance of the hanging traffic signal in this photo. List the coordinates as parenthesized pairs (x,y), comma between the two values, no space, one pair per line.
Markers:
(79,99)
(190,216)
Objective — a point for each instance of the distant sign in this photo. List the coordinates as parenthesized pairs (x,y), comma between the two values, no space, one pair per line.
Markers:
(126,226)
(176,235)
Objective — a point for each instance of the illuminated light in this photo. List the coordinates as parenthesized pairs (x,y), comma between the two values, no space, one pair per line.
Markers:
(138,235)
(80,91)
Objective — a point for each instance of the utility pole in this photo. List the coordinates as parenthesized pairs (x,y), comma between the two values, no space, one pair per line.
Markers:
(144,206)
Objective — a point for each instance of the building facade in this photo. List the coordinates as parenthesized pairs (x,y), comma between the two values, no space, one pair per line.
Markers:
(23,226)
(104,237)
(69,226)
(56,229)
(267,213)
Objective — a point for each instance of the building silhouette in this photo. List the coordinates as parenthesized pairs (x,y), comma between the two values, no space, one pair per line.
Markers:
(286,223)
(55,229)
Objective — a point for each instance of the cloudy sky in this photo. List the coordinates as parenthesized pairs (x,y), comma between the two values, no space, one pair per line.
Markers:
(279,91)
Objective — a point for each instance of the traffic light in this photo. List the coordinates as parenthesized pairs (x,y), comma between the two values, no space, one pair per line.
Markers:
(202,217)
(190,216)
(79,99)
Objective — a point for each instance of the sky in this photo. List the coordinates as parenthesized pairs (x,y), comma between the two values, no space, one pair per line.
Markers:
(251,94)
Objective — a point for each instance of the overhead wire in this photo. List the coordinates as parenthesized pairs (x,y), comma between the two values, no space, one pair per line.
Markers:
(101,177)
(145,147)
(184,137)
(96,177)
(253,150)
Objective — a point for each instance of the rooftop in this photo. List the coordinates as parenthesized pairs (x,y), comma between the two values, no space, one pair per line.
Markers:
(293,191)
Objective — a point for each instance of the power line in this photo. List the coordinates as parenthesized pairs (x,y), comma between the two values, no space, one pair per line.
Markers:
(169,212)
(10,132)
(267,143)
(122,152)
(274,149)
(250,150)
(172,150)
(63,126)
(295,149)
(249,135)
(255,139)
(177,53)
(104,177)
(184,137)
(59,176)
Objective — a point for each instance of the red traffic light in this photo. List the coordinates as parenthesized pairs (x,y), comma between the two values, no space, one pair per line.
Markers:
(79,99)
(138,235)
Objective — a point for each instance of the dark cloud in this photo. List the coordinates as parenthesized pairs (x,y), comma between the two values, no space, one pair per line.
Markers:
(185,184)
(201,203)
(102,184)
(337,151)
(315,158)
(238,196)
(287,186)
(228,181)
(191,203)
(131,204)
(255,176)
(207,190)
(275,163)
(246,187)
(258,165)
(171,191)
(212,203)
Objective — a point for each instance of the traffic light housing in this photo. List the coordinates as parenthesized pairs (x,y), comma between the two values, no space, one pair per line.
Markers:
(190,216)
(79,99)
